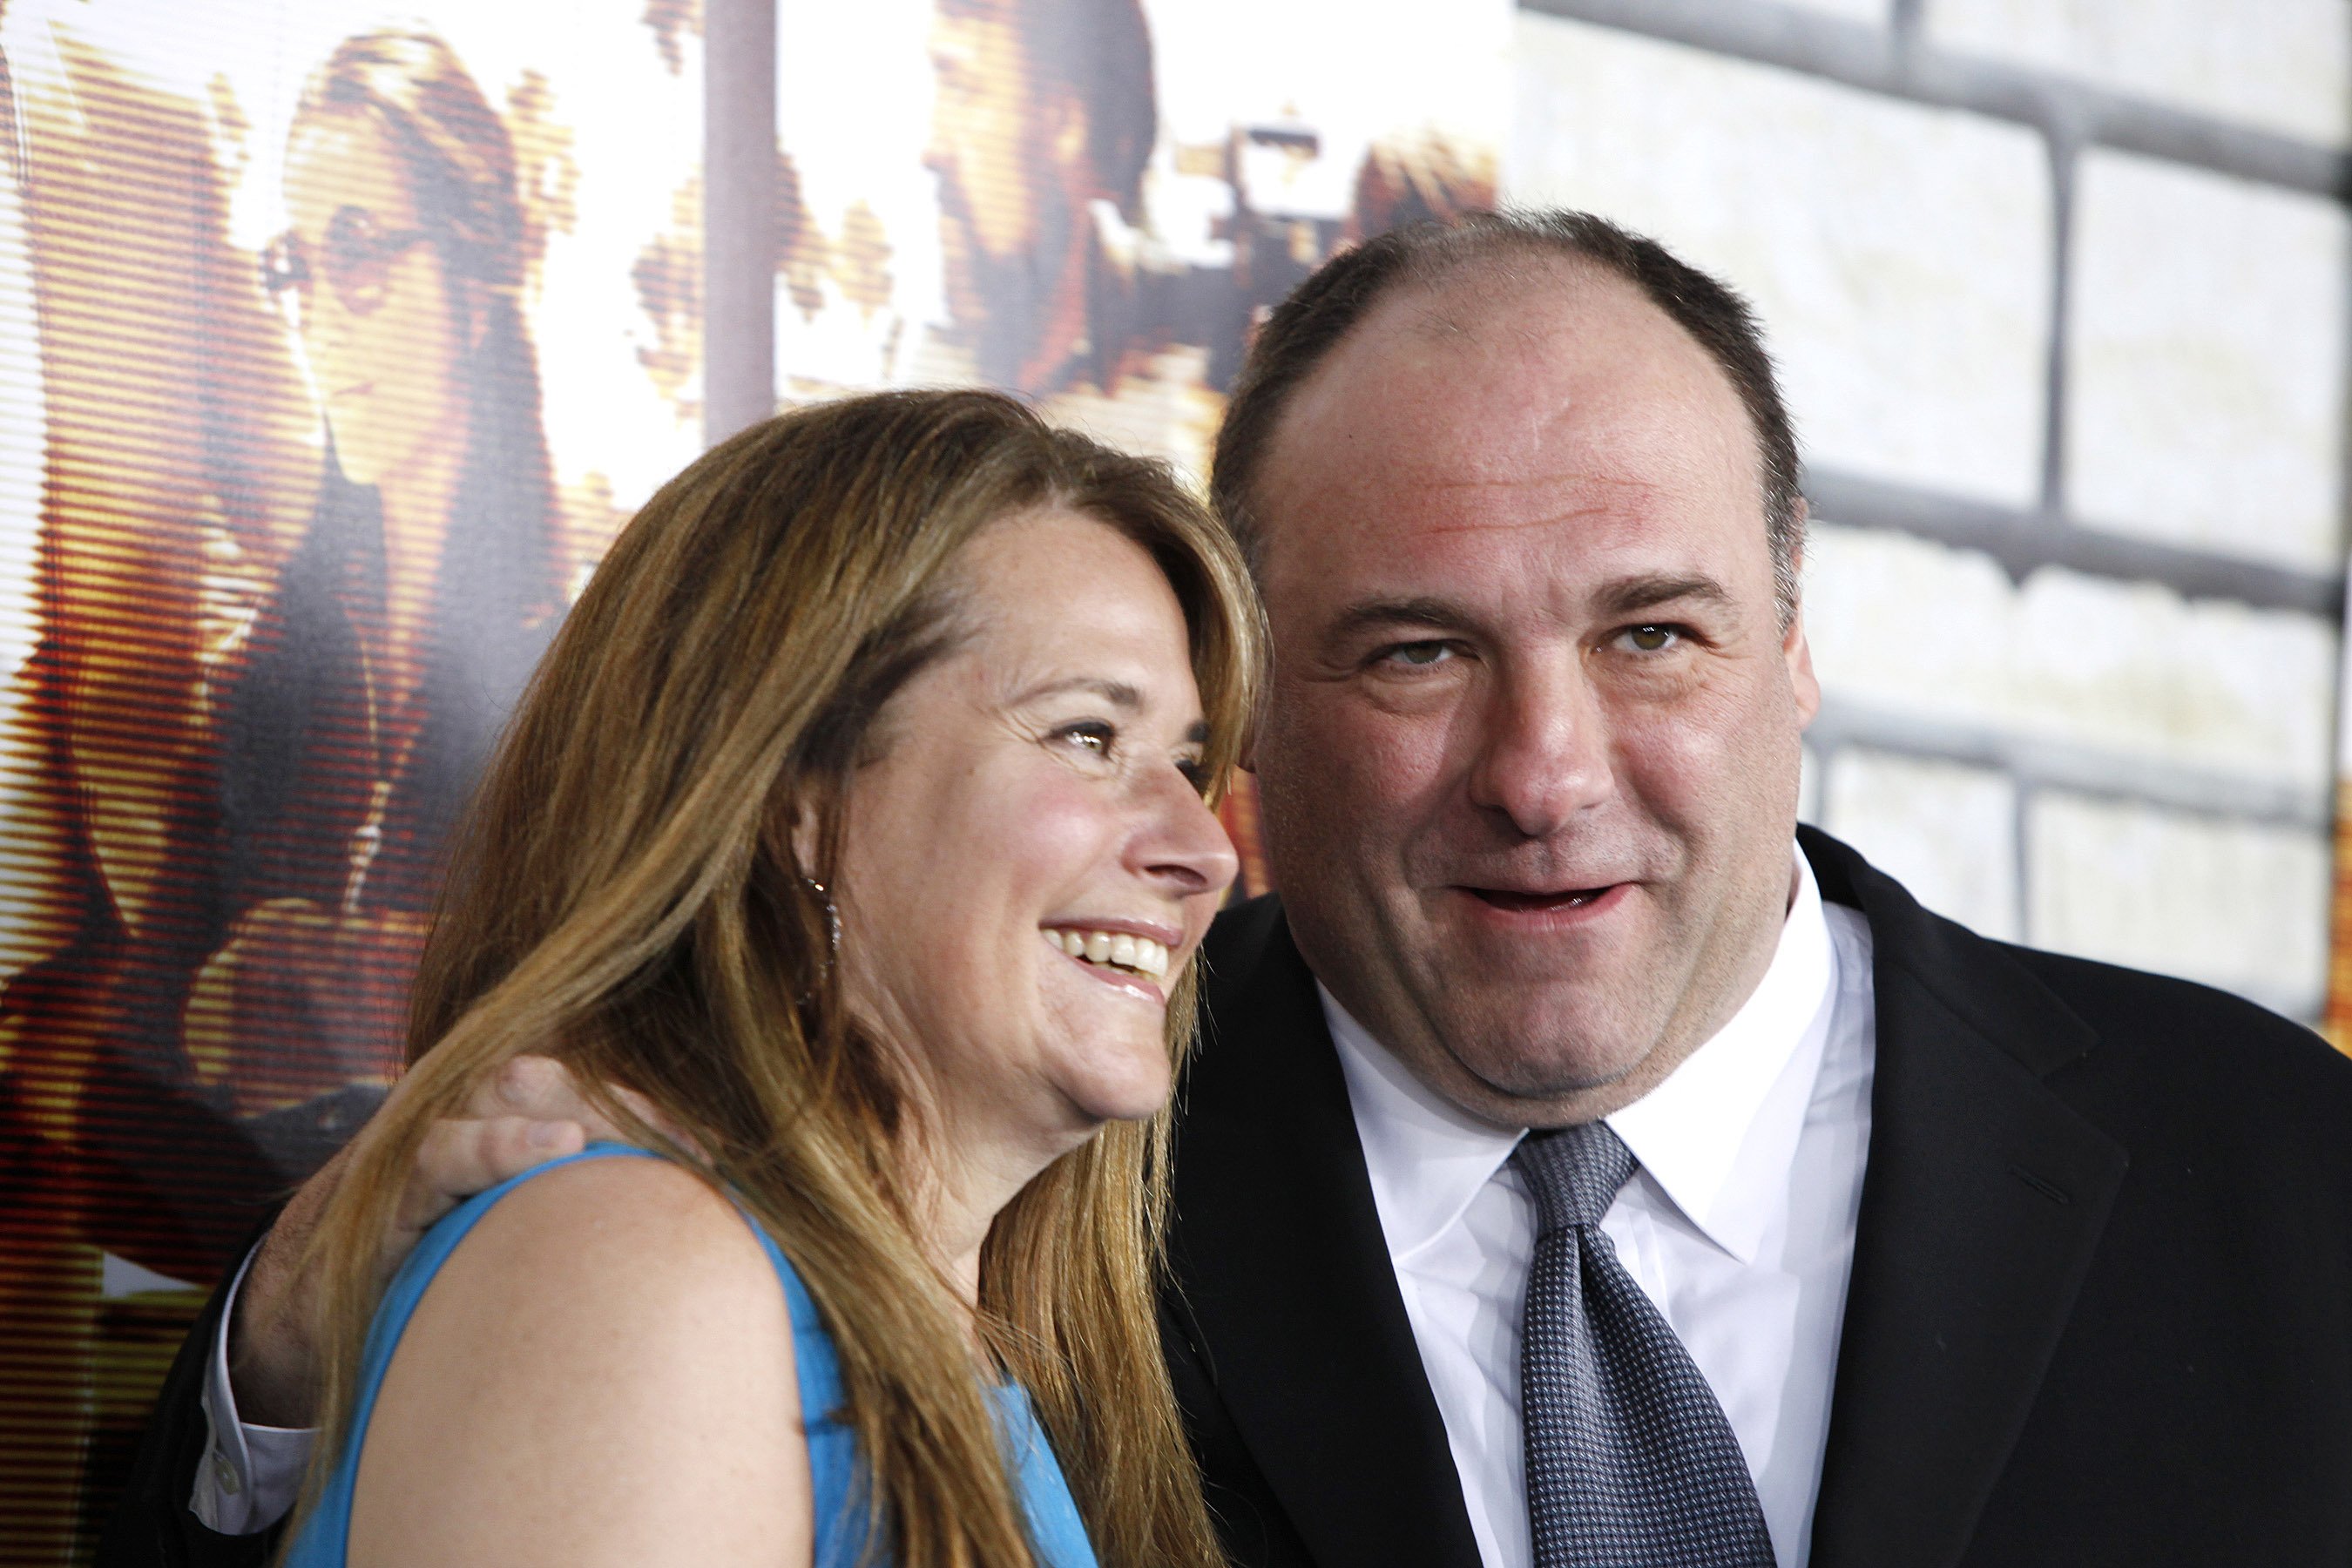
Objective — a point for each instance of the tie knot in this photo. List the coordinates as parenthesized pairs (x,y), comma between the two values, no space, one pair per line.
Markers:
(1574,1172)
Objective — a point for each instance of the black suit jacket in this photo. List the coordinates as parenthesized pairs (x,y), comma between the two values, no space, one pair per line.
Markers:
(2100,1306)
(2101,1310)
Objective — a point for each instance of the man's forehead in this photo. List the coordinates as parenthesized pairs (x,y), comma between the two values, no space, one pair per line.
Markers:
(1560,421)
(1481,384)
(1561,545)
(1458,391)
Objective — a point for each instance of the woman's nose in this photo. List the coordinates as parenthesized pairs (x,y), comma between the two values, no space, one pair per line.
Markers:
(1183,844)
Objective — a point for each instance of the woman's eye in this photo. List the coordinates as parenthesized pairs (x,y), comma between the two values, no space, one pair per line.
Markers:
(1652,639)
(1091,736)
(1196,773)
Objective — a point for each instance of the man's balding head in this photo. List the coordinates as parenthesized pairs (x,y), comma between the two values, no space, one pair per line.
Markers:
(1487,257)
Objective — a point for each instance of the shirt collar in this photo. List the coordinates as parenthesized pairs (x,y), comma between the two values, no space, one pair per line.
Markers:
(1716,1117)
(1427,1155)
(1720,1133)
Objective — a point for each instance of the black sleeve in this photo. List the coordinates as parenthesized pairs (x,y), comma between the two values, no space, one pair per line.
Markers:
(1251,1524)
(153,1526)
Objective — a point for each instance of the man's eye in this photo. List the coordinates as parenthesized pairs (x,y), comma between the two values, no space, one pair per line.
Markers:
(1652,639)
(1416,655)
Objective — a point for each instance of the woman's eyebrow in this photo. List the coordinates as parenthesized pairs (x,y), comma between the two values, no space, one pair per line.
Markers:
(1119,693)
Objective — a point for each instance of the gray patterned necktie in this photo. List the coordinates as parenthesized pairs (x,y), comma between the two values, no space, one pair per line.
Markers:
(1630,1463)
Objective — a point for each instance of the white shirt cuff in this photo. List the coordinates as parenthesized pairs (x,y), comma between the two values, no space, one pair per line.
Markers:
(249,1476)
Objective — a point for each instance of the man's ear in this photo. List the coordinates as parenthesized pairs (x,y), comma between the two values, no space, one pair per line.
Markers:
(1795,651)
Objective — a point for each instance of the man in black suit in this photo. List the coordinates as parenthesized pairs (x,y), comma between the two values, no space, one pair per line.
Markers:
(1989,1256)
(1984,1256)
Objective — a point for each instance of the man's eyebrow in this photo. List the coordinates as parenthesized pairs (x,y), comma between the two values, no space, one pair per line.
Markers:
(1119,693)
(1369,614)
(1626,597)
(1633,594)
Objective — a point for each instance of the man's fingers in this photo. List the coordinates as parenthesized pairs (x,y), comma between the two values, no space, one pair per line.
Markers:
(460,1158)
(537,1088)
(540,1089)
(528,1112)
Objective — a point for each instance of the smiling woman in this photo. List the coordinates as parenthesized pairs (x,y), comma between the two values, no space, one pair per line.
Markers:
(857,831)
(1048,772)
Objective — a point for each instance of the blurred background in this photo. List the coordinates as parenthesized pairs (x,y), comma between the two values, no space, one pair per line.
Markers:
(338,339)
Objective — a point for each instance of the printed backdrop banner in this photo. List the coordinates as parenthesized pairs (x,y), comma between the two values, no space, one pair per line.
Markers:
(335,345)
(1091,201)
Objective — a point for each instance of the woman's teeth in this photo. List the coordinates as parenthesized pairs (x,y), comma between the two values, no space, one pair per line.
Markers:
(1137,954)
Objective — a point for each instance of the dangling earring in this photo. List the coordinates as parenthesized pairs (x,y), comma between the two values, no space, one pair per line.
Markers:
(832,915)
(832,936)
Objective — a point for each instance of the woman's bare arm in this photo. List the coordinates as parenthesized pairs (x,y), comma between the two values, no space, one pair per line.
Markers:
(601,1373)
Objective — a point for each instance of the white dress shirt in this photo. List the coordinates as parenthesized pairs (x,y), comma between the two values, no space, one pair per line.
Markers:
(1740,1224)
(250,1475)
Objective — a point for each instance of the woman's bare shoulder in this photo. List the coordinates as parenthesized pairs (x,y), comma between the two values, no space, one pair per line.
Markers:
(602,1370)
(630,1236)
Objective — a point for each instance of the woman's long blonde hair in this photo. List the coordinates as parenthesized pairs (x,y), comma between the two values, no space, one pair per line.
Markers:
(627,899)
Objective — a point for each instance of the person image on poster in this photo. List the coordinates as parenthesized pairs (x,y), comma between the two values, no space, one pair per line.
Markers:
(404,625)
(1043,119)
(246,882)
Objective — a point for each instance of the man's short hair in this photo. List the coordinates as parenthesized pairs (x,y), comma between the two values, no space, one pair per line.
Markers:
(1304,328)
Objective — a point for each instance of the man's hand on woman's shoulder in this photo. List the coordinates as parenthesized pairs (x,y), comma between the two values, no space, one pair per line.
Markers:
(531,1111)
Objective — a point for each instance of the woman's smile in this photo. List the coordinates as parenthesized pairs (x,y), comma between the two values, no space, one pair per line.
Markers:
(1119,958)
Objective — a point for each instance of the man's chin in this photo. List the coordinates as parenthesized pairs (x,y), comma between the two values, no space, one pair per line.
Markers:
(1555,1096)
(1521,1081)
(1565,1056)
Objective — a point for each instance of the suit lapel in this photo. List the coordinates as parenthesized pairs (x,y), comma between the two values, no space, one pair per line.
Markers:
(1982,1204)
(1286,1275)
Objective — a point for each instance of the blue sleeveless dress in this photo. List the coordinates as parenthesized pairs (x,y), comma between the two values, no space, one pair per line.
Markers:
(1056,1534)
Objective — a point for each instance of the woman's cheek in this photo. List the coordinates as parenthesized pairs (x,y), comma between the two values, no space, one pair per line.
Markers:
(1066,829)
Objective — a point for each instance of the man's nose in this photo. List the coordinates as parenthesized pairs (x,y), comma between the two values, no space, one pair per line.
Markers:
(1543,751)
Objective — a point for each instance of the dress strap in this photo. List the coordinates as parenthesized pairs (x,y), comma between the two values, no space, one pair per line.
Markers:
(836,1479)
